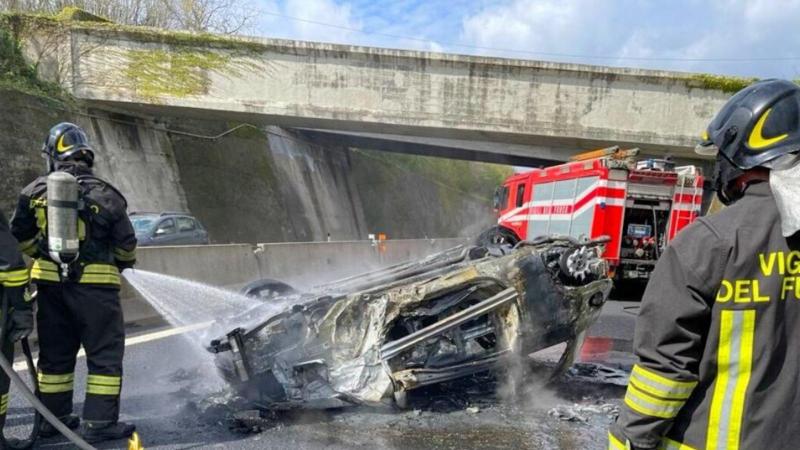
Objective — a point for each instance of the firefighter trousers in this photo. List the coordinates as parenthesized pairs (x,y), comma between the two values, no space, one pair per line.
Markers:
(71,315)
(5,382)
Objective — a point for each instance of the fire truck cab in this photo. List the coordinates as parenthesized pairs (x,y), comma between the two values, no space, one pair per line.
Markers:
(639,205)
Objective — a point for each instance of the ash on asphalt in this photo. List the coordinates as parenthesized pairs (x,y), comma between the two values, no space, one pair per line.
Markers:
(473,413)
(172,395)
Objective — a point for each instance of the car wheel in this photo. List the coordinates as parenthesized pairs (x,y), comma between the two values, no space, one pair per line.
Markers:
(497,236)
(267,289)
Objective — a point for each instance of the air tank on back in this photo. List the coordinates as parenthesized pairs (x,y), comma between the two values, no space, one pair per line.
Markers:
(62,217)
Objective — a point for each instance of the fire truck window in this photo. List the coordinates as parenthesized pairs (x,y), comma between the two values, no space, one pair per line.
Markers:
(520,194)
(501,197)
(584,184)
(539,218)
(582,219)
(563,200)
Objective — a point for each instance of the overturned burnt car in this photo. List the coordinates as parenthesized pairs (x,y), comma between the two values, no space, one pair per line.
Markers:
(371,338)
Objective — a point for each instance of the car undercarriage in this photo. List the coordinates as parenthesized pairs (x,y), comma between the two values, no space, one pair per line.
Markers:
(371,338)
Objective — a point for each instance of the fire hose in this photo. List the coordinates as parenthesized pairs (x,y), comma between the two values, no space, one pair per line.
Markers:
(41,411)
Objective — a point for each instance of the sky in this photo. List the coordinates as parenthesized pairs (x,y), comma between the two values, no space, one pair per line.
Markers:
(754,38)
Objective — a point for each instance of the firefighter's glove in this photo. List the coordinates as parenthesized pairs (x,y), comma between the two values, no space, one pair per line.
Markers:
(21,323)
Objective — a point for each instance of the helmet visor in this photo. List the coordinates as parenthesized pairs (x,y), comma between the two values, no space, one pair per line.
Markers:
(706,149)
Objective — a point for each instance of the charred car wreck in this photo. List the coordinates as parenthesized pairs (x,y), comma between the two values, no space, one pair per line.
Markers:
(370,339)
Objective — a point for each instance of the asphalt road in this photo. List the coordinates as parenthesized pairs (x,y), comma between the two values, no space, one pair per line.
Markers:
(173,395)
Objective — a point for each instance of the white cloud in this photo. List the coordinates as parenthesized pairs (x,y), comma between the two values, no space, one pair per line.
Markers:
(632,29)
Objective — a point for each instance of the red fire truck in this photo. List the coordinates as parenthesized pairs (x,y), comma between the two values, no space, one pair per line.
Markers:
(639,205)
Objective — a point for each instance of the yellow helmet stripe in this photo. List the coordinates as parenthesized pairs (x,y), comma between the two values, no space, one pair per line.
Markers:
(60,145)
(757,140)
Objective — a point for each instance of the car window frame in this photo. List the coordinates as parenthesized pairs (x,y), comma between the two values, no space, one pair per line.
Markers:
(174,227)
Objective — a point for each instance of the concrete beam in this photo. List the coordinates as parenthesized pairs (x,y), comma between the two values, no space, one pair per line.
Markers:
(373,90)
(510,154)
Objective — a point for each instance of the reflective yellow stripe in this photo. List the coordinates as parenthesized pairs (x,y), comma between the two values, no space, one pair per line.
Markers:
(102,390)
(103,384)
(106,380)
(4,404)
(41,219)
(649,405)
(124,255)
(55,383)
(660,386)
(669,444)
(81,230)
(614,443)
(734,364)
(14,278)
(44,270)
(92,273)
(100,274)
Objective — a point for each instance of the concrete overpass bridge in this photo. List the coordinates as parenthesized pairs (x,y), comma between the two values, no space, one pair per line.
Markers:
(470,107)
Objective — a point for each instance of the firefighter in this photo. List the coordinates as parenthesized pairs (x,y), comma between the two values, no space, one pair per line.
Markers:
(19,324)
(81,306)
(719,324)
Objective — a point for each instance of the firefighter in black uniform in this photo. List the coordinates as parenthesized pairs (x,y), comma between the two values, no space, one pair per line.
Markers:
(719,323)
(82,308)
(19,324)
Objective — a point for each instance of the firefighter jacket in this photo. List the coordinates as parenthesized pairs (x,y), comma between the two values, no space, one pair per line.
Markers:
(108,241)
(13,271)
(718,336)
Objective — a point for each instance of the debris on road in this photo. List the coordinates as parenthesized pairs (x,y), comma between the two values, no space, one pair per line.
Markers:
(598,373)
(580,413)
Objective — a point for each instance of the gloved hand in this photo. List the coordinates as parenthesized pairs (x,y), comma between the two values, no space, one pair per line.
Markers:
(21,324)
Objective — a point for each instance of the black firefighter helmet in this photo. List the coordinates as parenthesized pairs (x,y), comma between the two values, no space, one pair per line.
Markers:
(67,141)
(757,125)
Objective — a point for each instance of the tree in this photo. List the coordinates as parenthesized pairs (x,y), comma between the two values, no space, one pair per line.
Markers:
(217,16)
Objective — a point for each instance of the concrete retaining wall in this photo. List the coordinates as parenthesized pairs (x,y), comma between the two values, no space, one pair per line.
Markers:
(302,264)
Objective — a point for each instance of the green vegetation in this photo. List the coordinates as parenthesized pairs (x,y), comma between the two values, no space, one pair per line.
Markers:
(722,83)
(16,73)
(156,73)
(473,179)
(77,14)
(81,20)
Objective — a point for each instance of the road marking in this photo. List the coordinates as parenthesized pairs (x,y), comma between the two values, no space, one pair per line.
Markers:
(149,337)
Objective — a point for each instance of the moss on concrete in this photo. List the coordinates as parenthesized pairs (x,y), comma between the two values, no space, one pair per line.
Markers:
(80,20)
(77,14)
(17,74)
(412,196)
(721,83)
(179,73)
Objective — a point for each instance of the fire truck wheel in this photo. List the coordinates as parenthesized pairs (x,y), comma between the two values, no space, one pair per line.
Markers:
(497,236)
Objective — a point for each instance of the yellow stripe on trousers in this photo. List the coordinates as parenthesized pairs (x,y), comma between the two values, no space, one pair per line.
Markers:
(734,364)
(614,443)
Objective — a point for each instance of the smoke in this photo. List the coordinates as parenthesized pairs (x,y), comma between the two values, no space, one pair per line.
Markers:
(526,380)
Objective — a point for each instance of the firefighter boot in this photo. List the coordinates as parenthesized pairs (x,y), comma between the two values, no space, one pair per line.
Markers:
(47,430)
(94,432)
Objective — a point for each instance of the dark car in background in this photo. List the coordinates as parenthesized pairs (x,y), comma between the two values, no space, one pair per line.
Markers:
(168,228)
